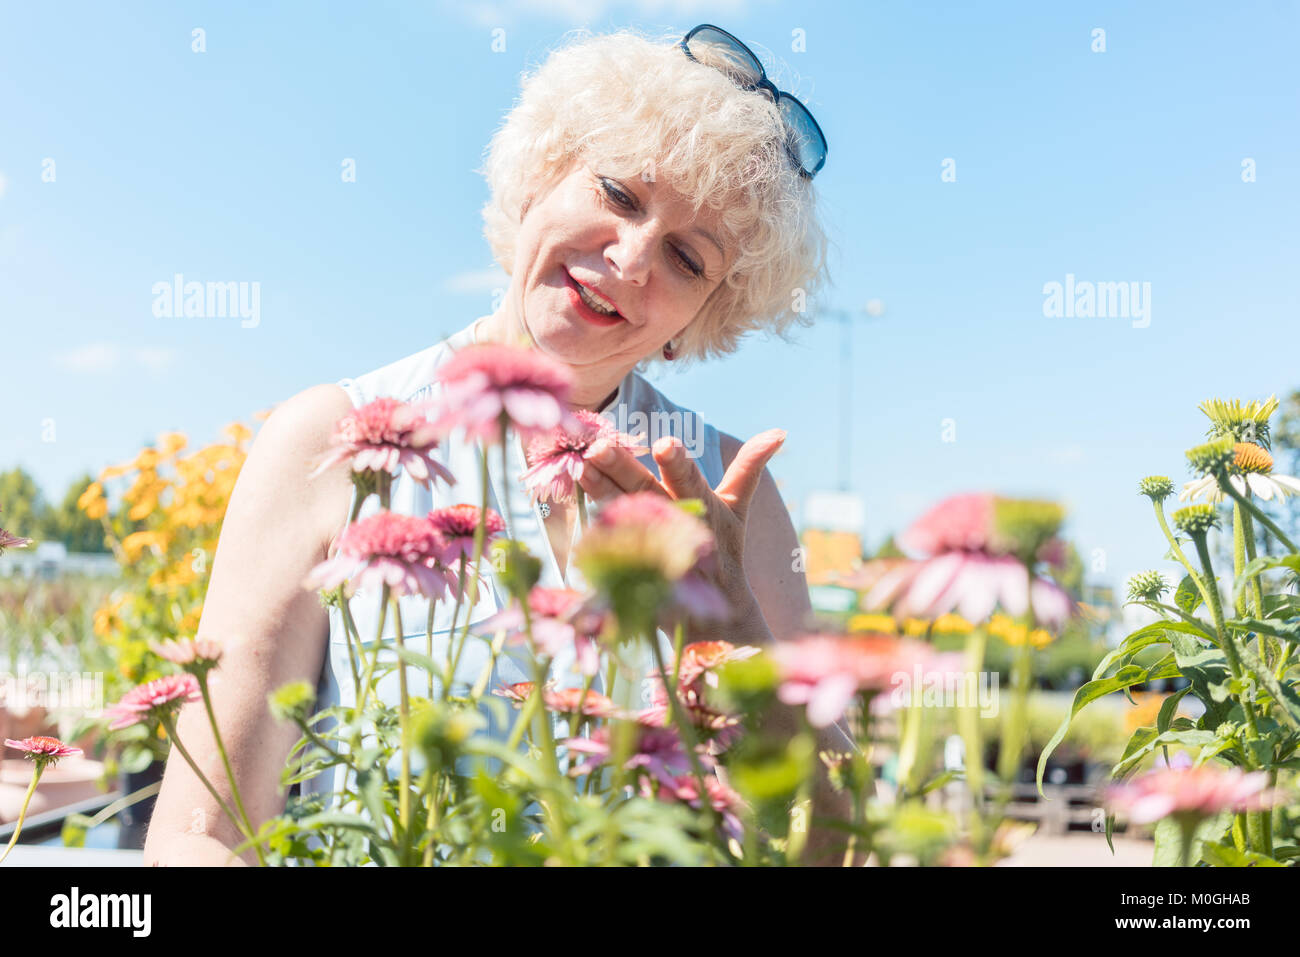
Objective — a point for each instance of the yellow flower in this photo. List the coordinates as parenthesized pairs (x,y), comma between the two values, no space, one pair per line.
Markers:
(237,432)
(169,443)
(952,624)
(915,627)
(1016,634)
(92,501)
(147,460)
(873,623)
(135,543)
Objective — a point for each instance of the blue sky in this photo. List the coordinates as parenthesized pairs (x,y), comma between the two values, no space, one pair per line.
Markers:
(1115,166)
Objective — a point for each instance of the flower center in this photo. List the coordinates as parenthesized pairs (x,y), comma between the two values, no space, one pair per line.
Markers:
(1250,457)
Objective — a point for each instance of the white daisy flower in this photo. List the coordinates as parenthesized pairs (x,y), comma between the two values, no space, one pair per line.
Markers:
(1255,476)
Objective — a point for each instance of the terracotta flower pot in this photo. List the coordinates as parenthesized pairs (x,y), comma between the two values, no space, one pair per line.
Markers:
(71,780)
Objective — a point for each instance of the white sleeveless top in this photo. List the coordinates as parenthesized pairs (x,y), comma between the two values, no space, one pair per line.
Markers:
(637,407)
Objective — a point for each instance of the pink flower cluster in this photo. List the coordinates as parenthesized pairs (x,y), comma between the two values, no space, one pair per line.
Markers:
(1196,792)
(383,436)
(153,699)
(556,459)
(410,554)
(484,385)
(560,619)
(42,748)
(964,570)
(825,672)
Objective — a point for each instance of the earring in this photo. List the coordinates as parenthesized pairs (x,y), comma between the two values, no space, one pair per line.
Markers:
(669,354)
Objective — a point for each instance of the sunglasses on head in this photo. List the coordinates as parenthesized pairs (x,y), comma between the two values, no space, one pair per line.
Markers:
(714,46)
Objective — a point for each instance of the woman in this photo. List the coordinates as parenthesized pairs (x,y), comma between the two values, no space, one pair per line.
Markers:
(651,202)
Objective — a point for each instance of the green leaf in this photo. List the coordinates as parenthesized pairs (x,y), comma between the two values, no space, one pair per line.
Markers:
(1284,695)
(74,830)
(1191,739)
(1188,596)
(1222,855)
(1169,836)
(1286,630)
(1126,677)
(1207,670)
(938,781)
(1169,708)
(1166,667)
(1262,564)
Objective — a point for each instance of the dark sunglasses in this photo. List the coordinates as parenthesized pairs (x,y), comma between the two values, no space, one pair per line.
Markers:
(714,46)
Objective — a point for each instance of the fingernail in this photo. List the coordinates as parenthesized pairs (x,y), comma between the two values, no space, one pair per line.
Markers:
(600,452)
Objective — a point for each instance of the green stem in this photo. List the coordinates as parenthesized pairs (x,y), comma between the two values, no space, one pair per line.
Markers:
(374,658)
(1238,557)
(225,763)
(403,713)
(1178,553)
(969,720)
(687,731)
(22,813)
(169,723)
(1250,506)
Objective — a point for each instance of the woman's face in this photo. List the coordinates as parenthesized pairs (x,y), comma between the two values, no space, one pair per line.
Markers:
(596,241)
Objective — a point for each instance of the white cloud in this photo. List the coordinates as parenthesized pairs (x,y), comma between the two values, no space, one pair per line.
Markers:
(105,357)
(154,357)
(477,280)
(4,184)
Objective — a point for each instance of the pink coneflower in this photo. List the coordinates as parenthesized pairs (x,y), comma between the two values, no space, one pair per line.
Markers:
(556,458)
(457,525)
(484,384)
(1190,792)
(517,692)
(383,436)
(968,566)
(563,700)
(560,619)
(658,751)
(959,523)
(644,550)
(972,584)
(685,789)
(400,551)
(192,654)
(43,749)
(700,658)
(566,701)
(153,699)
(825,672)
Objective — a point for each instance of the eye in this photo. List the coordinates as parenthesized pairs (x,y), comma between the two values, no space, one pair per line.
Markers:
(686,261)
(616,195)
(621,199)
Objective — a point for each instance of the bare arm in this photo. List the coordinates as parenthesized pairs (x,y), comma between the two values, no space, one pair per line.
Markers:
(785,609)
(279,524)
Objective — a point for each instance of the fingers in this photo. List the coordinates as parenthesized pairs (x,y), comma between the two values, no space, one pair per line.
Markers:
(612,470)
(741,481)
(681,476)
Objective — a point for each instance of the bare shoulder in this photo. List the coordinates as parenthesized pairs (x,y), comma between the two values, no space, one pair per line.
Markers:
(288,448)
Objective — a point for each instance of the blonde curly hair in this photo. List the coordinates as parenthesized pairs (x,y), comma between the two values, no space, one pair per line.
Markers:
(640,107)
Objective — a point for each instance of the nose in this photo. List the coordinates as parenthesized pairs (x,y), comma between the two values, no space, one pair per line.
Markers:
(632,252)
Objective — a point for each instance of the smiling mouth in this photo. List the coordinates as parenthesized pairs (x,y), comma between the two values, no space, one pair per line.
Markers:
(592,301)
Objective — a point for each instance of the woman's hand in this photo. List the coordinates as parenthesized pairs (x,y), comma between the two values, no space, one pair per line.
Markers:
(610,470)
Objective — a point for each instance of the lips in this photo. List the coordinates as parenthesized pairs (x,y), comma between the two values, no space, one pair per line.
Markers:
(584,310)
